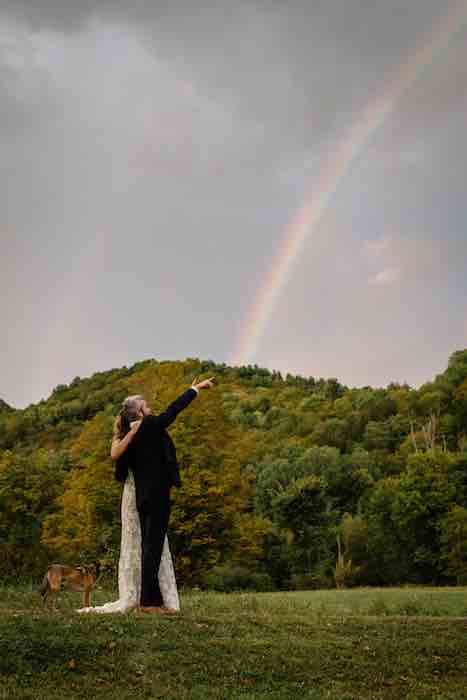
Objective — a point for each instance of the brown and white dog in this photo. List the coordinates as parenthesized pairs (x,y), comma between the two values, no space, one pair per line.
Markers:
(78,578)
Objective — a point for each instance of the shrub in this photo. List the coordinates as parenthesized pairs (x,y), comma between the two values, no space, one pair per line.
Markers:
(227,578)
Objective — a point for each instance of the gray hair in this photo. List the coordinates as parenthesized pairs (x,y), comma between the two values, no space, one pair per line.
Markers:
(131,406)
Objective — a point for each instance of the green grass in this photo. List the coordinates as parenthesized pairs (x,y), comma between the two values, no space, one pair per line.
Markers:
(343,645)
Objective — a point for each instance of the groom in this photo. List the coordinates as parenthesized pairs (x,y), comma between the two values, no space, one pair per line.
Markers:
(153,460)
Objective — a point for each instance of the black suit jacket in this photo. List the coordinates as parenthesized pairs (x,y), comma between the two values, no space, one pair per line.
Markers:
(151,454)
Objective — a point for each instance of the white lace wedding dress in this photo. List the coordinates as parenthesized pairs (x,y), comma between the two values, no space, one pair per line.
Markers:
(129,565)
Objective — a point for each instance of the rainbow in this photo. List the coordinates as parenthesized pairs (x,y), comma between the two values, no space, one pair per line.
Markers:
(332,173)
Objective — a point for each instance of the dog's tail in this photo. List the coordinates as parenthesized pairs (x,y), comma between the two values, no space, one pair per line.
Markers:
(45,585)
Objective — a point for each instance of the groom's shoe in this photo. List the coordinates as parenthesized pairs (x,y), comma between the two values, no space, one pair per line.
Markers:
(157,610)
(170,611)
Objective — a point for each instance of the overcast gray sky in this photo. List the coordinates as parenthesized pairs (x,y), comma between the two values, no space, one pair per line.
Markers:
(153,155)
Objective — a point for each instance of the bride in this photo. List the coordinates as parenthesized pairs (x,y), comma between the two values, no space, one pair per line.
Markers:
(129,565)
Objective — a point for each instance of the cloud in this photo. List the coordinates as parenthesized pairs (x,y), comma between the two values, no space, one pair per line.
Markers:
(386,277)
(392,258)
(384,254)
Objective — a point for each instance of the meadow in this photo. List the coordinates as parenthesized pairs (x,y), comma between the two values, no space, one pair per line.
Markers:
(345,645)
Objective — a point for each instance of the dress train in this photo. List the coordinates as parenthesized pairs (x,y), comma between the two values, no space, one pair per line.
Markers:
(129,565)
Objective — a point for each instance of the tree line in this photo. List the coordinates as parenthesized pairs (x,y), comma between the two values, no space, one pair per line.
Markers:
(288,481)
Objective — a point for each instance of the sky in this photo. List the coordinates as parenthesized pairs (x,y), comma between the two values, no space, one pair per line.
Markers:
(156,156)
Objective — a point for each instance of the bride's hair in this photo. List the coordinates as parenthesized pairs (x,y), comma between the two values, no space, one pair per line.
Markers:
(129,412)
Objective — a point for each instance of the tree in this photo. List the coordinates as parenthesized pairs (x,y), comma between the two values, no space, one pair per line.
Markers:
(453,537)
(29,485)
(425,494)
(389,560)
(85,524)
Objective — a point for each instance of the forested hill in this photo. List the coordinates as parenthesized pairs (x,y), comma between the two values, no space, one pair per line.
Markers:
(278,472)
(4,407)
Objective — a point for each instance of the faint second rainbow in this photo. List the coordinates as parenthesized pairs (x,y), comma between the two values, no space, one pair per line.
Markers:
(335,168)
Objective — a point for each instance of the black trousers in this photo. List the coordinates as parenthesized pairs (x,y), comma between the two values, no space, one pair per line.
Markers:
(154,520)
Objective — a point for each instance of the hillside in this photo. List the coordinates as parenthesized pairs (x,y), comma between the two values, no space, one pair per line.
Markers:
(276,471)
(4,407)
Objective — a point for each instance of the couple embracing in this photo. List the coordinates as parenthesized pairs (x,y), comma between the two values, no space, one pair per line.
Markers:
(146,463)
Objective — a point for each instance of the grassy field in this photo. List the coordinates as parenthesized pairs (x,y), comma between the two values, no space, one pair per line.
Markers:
(343,645)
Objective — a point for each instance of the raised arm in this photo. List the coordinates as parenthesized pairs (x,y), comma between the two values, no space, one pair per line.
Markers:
(163,420)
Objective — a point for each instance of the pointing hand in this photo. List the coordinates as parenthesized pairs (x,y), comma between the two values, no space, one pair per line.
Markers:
(205,384)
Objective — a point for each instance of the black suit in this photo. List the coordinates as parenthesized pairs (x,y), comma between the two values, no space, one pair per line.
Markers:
(152,458)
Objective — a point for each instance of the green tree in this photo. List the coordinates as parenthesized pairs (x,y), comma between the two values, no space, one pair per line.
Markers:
(29,485)
(453,537)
